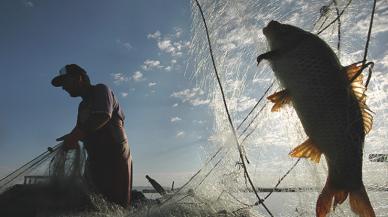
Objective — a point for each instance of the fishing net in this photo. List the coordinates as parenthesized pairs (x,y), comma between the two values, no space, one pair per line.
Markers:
(285,186)
(51,165)
(257,178)
(51,182)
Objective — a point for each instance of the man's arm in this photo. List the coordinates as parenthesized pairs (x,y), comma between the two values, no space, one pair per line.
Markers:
(93,123)
(101,111)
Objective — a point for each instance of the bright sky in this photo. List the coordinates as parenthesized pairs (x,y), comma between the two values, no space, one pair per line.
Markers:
(138,48)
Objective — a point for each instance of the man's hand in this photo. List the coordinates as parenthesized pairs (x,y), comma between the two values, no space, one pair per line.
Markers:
(61,138)
(70,141)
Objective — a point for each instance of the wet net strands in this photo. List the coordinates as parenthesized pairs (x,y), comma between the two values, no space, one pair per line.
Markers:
(229,184)
(227,111)
(10,178)
(339,28)
(336,19)
(53,165)
(321,30)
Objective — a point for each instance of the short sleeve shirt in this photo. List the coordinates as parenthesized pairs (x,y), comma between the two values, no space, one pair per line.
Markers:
(110,138)
(100,100)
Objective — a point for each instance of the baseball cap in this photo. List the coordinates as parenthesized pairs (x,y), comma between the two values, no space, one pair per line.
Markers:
(70,69)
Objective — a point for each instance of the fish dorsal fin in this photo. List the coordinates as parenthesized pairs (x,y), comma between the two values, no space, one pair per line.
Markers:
(359,90)
(279,99)
(307,150)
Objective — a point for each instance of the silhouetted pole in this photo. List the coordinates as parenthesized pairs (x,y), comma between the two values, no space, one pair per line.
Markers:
(156,186)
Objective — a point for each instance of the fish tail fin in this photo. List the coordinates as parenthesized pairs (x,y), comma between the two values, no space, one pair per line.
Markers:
(360,204)
(325,200)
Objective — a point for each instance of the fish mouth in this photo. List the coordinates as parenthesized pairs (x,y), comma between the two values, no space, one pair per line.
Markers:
(270,26)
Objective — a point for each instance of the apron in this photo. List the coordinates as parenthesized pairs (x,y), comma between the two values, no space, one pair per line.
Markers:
(109,165)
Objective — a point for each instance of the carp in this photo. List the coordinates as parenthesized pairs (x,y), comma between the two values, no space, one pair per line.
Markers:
(330,102)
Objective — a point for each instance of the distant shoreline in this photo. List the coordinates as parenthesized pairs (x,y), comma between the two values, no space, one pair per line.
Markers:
(149,189)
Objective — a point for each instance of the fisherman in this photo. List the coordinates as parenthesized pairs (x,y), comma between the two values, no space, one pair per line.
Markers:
(100,126)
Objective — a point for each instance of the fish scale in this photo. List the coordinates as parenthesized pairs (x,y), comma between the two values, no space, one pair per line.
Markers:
(312,86)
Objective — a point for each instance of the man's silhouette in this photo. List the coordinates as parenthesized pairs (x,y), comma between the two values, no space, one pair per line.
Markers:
(100,126)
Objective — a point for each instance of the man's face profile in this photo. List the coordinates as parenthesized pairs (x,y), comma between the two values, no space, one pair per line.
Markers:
(72,85)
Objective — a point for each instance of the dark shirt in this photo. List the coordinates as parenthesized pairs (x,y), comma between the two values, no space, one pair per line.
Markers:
(109,142)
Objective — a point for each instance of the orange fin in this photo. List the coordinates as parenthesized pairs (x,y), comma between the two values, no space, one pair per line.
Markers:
(339,197)
(280,99)
(307,150)
(325,200)
(360,204)
(359,90)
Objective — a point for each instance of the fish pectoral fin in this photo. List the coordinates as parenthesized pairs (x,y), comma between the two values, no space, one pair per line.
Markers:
(307,150)
(360,204)
(359,90)
(279,99)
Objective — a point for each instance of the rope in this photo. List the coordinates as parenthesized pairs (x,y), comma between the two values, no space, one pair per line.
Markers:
(338,17)
(253,119)
(323,23)
(199,171)
(27,167)
(323,12)
(23,171)
(207,175)
(218,151)
(236,199)
(283,177)
(258,102)
(339,27)
(339,14)
(227,110)
(24,165)
(364,64)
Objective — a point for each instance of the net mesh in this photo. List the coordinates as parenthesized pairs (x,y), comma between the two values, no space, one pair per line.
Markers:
(49,184)
(266,138)
(51,165)
(287,187)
